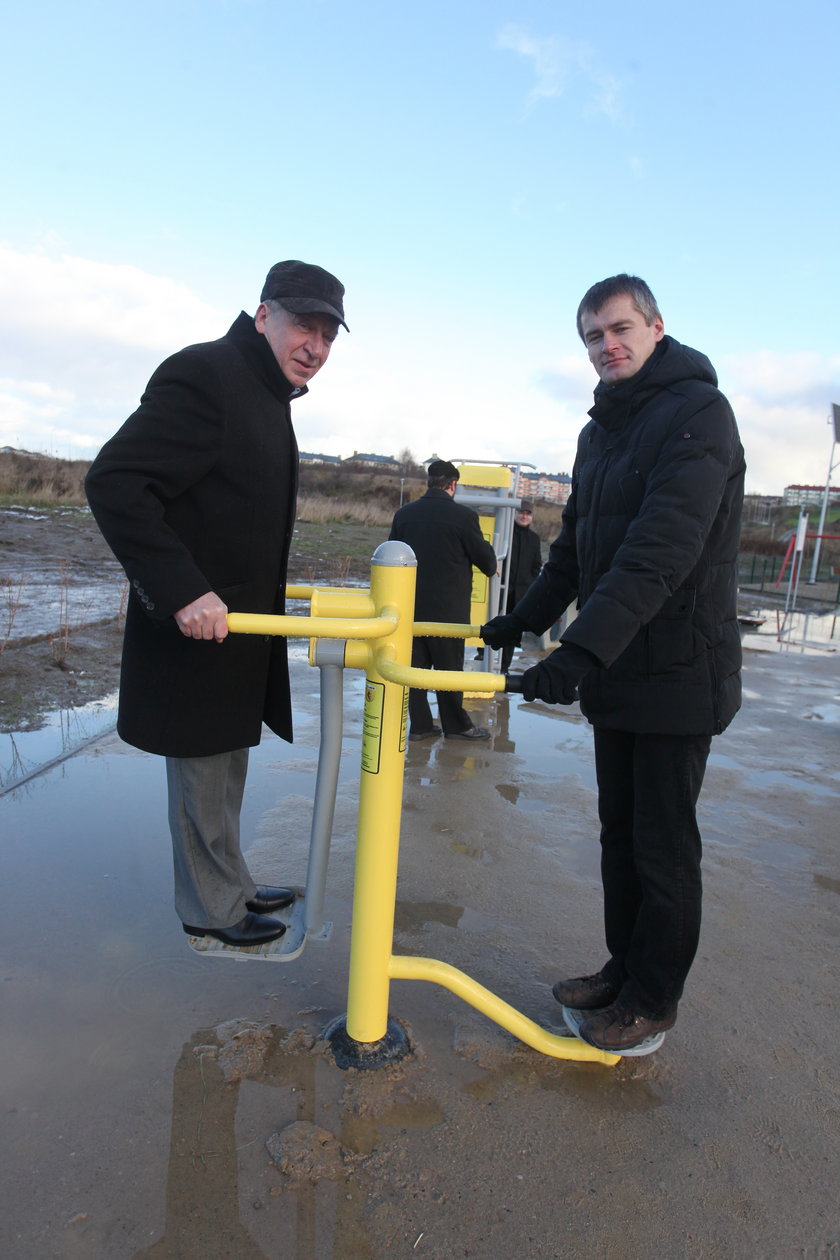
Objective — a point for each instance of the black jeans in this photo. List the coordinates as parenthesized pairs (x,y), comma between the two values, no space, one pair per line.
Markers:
(648,787)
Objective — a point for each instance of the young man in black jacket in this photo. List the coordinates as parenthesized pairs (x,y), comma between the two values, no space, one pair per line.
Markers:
(648,547)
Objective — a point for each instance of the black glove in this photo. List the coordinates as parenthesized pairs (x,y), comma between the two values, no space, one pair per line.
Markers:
(503,631)
(555,680)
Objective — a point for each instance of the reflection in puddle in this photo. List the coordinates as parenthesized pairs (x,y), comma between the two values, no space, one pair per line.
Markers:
(829,885)
(240,1090)
(527,805)
(24,753)
(471,851)
(799,632)
(362,1133)
(412,916)
(409,916)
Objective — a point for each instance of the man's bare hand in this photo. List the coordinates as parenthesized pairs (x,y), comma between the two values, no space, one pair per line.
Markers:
(204,618)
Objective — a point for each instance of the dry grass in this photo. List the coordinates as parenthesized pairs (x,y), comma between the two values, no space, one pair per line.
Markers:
(325,494)
(11,594)
(60,639)
(40,480)
(319,509)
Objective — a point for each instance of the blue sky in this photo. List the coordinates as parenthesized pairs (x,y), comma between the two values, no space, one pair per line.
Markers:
(466,169)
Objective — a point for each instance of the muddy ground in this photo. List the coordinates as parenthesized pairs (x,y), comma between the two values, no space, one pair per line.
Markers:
(162,1104)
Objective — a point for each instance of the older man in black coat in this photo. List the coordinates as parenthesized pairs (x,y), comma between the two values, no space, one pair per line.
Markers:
(195,495)
(525,565)
(649,549)
(446,538)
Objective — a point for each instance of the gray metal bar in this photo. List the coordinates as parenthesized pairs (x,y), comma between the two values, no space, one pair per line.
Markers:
(489,499)
(326,786)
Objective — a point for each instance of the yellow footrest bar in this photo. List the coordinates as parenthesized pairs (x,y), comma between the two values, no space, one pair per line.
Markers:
(470,991)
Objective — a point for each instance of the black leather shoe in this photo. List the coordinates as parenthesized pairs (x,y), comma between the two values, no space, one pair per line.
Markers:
(266,899)
(586,993)
(254,929)
(474,732)
(432,733)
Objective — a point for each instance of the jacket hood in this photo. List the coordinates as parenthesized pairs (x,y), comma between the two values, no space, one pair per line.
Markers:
(670,364)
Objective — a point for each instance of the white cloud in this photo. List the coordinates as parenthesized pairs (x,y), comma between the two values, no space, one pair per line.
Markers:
(80,338)
(783,404)
(557,62)
(70,296)
(78,341)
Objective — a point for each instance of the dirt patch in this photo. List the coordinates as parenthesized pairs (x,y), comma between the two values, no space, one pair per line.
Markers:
(33,683)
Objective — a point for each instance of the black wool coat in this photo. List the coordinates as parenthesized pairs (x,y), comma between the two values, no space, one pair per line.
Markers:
(649,547)
(525,562)
(446,538)
(195,493)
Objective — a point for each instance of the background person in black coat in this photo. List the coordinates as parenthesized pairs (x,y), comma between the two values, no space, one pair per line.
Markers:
(446,538)
(649,548)
(195,495)
(524,568)
(525,565)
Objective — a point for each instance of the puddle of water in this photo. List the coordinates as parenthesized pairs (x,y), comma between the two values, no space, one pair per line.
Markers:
(767,780)
(411,916)
(45,603)
(797,632)
(107,1010)
(23,753)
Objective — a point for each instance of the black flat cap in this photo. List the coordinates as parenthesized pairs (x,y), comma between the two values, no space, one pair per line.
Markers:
(302,287)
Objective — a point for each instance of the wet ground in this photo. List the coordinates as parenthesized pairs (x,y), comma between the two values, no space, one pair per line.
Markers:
(161,1104)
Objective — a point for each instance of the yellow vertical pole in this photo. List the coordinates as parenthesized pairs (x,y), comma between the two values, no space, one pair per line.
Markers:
(393,577)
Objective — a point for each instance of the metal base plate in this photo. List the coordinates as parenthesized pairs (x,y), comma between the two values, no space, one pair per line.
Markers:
(286,948)
(366,1055)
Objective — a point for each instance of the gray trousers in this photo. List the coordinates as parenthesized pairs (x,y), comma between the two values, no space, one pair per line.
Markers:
(212,880)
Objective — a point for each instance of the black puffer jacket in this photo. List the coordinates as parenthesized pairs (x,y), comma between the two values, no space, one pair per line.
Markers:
(649,547)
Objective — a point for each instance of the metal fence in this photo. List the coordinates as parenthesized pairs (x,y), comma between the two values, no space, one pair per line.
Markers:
(761,574)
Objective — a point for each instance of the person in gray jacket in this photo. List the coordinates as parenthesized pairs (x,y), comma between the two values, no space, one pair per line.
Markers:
(648,548)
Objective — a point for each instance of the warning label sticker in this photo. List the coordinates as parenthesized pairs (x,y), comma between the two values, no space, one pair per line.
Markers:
(372,728)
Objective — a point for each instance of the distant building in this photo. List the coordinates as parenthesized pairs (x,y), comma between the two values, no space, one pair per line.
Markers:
(758,508)
(306,457)
(379,463)
(810,496)
(556,487)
